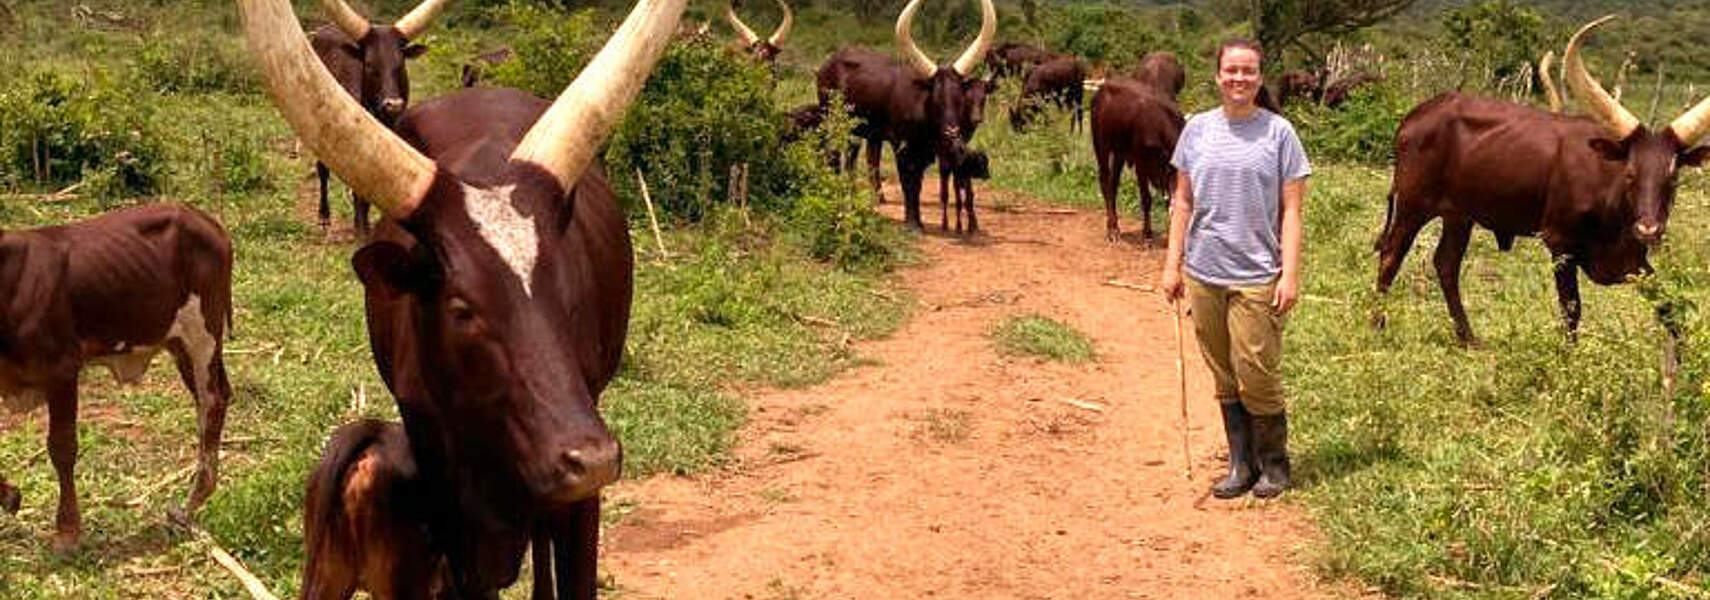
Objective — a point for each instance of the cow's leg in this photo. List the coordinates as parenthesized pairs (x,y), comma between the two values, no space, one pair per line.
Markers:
(62,450)
(1567,291)
(973,222)
(326,211)
(575,551)
(943,195)
(1142,182)
(1109,181)
(540,552)
(875,152)
(360,220)
(196,349)
(1450,250)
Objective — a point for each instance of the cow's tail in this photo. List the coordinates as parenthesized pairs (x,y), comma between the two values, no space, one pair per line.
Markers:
(1388,221)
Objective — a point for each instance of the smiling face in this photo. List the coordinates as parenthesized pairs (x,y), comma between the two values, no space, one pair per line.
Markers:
(1238,76)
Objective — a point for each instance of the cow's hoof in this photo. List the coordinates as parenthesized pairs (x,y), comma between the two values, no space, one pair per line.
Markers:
(65,543)
(913,227)
(179,518)
(10,499)
(1380,320)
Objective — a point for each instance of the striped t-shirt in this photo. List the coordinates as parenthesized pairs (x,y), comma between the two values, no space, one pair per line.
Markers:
(1237,169)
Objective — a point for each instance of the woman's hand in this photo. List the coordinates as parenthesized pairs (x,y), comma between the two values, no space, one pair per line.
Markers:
(1171,284)
(1287,292)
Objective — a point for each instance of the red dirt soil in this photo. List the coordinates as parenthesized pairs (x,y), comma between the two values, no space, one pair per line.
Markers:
(950,471)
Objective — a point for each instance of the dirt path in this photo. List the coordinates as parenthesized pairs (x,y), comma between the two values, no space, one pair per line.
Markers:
(949,471)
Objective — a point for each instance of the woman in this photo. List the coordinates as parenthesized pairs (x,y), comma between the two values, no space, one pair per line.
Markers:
(1234,253)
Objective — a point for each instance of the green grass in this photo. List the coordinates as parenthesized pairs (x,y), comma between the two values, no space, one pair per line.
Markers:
(1043,337)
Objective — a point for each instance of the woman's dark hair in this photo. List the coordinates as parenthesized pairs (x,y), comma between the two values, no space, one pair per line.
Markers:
(1263,99)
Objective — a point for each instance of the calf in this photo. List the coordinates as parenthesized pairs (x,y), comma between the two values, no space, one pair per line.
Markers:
(114,291)
(974,165)
(365,521)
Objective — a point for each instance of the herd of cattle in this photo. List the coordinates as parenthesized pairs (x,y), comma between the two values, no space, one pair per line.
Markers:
(498,282)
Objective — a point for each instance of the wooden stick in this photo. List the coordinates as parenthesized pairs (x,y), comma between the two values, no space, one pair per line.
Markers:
(251,583)
(1130,286)
(1081,404)
(1181,378)
(652,220)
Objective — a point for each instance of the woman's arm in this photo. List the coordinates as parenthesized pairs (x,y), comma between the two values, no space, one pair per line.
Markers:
(1181,207)
(1288,286)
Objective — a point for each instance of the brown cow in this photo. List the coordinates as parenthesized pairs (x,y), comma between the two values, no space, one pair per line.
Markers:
(923,109)
(1133,125)
(114,291)
(1163,72)
(1013,59)
(1057,81)
(365,519)
(476,69)
(1341,89)
(764,50)
(368,61)
(498,290)
(975,165)
(1595,190)
(1298,83)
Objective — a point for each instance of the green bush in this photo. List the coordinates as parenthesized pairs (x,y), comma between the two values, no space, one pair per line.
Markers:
(1361,129)
(57,129)
(551,46)
(170,63)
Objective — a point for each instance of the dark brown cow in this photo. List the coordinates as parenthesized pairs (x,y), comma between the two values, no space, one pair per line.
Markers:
(1298,83)
(764,50)
(365,519)
(1133,125)
(476,69)
(921,108)
(368,61)
(1595,190)
(1339,90)
(1013,59)
(114,291)
(1163,72)
(498,290)
(975,165)
(1057,81)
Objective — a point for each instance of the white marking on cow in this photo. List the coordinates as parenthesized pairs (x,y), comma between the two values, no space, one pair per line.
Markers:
(508,231)
(190,328)
(128,366)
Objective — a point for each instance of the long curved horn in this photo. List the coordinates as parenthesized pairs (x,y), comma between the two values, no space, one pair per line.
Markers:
(352,24)
(1603,107)
(1550,92)
(373,161)
(418,19)
(976,51)
(783,30)
(921,63)
(1691,125)
(742,31)
(566,138)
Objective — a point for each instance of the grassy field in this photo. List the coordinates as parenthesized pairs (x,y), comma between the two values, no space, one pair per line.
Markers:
(1532,467)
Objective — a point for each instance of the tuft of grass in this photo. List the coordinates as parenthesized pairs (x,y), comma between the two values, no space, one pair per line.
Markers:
(1041,336)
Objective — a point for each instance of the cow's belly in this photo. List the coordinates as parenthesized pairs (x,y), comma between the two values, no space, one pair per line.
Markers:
(126,364)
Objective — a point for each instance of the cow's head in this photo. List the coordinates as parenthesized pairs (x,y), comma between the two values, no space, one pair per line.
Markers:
(482,292)
(1650,161)
(764,50)
(947,106)
(384,49)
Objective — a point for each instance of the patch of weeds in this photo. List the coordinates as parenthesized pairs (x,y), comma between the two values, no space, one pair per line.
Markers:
(942,425)
(1041,336)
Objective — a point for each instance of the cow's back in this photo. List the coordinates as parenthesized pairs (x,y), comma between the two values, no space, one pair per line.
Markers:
(1128,115)
(129,272)
(868,82)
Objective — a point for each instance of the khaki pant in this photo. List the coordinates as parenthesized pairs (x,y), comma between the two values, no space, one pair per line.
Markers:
(1240,336)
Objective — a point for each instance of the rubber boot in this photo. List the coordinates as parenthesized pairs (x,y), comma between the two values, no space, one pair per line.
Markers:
(1270,437)
(1242,472)
(10,499)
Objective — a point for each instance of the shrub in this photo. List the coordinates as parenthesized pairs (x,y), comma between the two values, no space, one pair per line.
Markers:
(551,46)
(1361,129)
(56,130)
(1037,335)
(175,63)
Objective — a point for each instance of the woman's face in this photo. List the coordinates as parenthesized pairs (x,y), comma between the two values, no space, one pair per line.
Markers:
(1238,78)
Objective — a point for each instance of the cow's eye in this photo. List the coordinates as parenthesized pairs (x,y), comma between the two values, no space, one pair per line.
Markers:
(460,310)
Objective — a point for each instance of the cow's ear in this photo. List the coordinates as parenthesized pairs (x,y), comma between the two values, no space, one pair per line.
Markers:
(414,51)
(388,268)
(1610,150)
(1695,157)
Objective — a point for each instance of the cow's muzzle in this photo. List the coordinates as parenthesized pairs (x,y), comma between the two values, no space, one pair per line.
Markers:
(392,107)
(583,469)
(1648,233)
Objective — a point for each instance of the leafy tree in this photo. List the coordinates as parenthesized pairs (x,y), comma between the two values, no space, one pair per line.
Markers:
(1501,34)
(1280,24)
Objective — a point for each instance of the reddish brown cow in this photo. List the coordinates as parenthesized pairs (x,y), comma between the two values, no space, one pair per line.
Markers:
(476,69)
(1133,125)
(365,519)
(921,108)
(764,50)
(497,289)
(975,165)
(1013,59)
(1298,84)
(1596,191)
(1057,81)
(368,61)
(114,291)
(1163,72)
(1339,90)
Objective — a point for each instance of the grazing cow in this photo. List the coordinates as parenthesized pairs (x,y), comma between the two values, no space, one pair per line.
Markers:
(1133,125)
(1339,90)
(365,519)
(764,50)
(114,291)
(1297,84)
(476,68)
(975,165)
(1057,81)
(1163,72)
(1012,59)
(368,61)
(1595,190)
(497,288)
(921,108)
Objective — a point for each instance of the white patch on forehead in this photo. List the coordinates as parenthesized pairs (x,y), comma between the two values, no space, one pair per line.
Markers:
(508,231)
